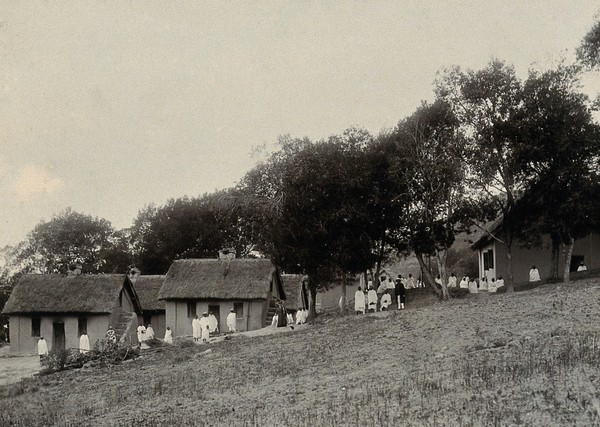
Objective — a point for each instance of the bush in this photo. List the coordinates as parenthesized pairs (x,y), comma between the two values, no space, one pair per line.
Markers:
(186,344)
(64,359)
(154,343)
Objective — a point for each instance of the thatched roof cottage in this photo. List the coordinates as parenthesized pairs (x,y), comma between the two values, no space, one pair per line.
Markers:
(194,286)
(60,308)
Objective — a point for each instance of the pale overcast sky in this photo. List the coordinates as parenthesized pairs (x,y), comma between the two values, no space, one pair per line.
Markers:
(108,106)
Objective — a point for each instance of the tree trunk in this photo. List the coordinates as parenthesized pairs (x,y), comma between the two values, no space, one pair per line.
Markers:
(427,276)
(344,297)
(510,287)
(312,306)
(440,257)
(567,251)
(554,260)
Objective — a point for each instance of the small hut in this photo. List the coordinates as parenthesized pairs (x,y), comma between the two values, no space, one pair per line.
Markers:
(250,287)
(60,308)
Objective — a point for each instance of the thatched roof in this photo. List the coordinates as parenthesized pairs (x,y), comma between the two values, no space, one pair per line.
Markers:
(147,288)
(240,279)
(292,283)
(54,293)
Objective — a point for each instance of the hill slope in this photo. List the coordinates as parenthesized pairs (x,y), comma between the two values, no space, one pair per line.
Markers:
(527,358)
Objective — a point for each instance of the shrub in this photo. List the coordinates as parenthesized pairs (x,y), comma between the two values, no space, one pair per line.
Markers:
(186,344)
(458,292)
(154,343)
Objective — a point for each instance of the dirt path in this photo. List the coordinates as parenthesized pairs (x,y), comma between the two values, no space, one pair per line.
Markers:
(13,368)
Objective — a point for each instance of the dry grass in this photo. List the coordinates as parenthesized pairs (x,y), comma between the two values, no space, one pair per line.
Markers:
(528,358)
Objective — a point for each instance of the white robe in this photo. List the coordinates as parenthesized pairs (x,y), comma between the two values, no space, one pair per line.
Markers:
(452,282)
(464,284)
(582,268)
(372,298)
(359,301)
(141,333)
(231,322)
(534,275)
(169,336)
(473,287)
(149,333)
(204,328)
(84,343)
(213,325)
(42,348)
(196,328)
(386,301)
(290,319)
(275,321)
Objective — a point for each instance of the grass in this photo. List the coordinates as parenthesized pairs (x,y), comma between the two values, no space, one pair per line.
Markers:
(527,358)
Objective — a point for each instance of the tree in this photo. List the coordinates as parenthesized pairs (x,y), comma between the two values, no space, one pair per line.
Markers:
(486,102)
(68,239)
(556,126)
(312,199)
(429,162)
(589,50)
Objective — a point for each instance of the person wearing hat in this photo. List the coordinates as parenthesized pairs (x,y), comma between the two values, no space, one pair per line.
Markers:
(231,321)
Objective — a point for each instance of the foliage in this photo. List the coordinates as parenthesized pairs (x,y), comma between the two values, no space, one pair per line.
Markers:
(589,50)
(72,359)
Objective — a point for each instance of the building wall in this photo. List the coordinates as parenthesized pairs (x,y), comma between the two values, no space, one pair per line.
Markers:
(159,324)
(21,341)
(176,315)
(523,258)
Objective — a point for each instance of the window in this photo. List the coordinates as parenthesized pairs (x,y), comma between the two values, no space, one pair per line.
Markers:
(35,326)
(191,309)
(82,325)
(488,259)
(238,307)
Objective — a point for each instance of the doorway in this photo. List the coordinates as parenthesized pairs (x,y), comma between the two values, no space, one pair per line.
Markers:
(575,261)
(58,338)
(216,310)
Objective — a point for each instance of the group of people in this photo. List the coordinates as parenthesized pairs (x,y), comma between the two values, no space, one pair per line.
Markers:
(145,333)
(370,300)
(204,326)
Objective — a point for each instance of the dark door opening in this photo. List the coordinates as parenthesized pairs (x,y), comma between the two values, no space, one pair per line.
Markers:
(216,310)
(58,339)
(575,261)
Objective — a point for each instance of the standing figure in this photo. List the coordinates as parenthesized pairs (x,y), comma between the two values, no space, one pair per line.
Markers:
(196,328)
(213,323)
(400,293)
(231,321)
(534,274)
(149,332)
(359,301)
(204,327)
(464,282)
(111,337)
(372,300)
(168,336)
(141,333)
(84,343)
(281,315)
(386,300)
(452,281)
(42,347)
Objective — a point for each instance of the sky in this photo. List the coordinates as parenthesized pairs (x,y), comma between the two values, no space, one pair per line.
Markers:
(106,107)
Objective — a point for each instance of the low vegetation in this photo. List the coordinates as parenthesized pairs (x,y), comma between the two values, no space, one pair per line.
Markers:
(526,358)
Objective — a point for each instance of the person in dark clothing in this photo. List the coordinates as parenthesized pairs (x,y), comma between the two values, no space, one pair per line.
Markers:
(281,315)
(400,293)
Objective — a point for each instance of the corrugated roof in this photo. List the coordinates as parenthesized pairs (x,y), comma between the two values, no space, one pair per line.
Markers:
(148,288)
(53,293)
(220,279)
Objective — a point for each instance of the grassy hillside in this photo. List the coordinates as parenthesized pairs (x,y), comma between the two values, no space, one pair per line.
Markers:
(527,358)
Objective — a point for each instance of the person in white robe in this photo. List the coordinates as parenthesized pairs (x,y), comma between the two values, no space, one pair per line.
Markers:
(493,285)
(582,267)
(149,332)
(42,347)
(204,328)
(213,323)
(534,274)
(168,336)
(499,282)
(390,284)
(141,333)
(464,282)
(196,328)
(290,318)
(386,301)
(359,301)
(372,300)
(382,287)
(84,343)
(438,280)
(452,281)
(483,284)
(274,321)
(473,286)
(231,321)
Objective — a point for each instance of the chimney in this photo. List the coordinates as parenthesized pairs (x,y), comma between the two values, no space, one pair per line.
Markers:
(133,274)
(227,254)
